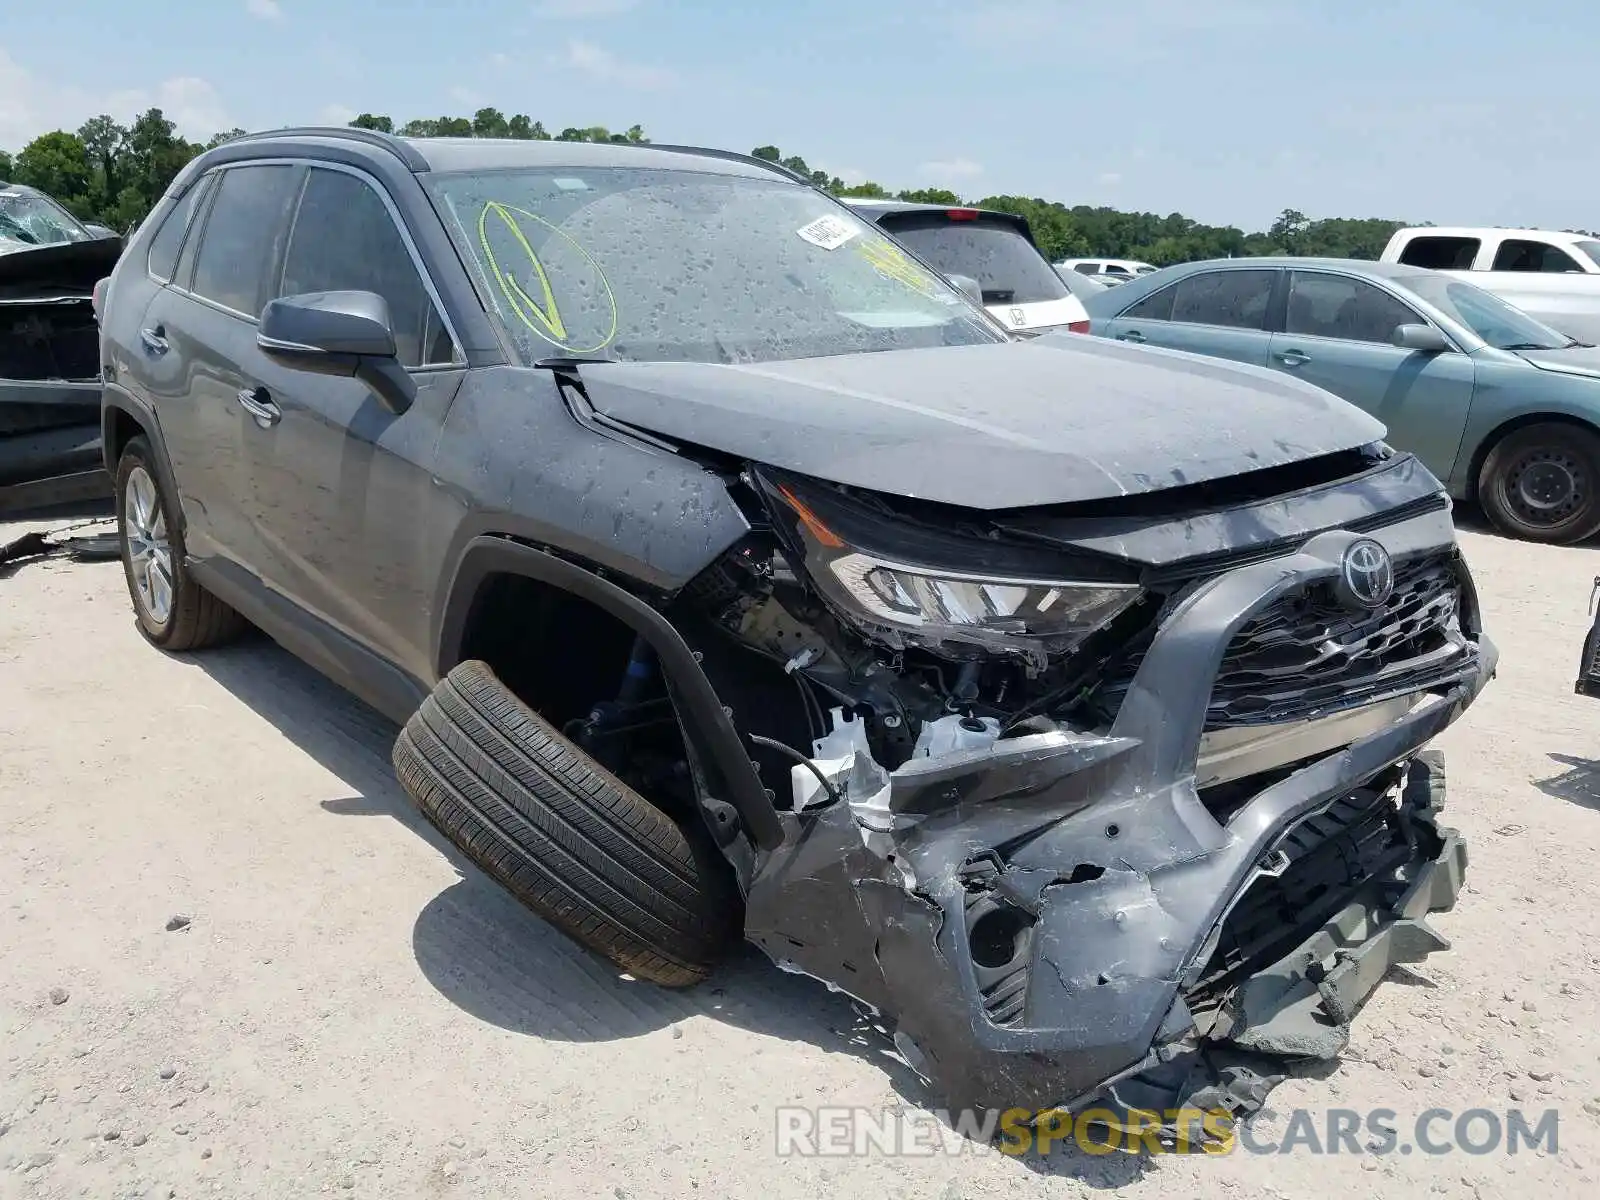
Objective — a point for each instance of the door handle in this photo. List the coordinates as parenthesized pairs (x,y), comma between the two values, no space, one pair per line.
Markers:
(1293,358)
(155,340)
(1133,335)
(258,403)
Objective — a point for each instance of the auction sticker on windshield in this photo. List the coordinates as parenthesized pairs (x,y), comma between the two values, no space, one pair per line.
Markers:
(829,232)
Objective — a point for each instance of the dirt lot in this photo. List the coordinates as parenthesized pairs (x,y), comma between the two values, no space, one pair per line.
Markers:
(351,1009)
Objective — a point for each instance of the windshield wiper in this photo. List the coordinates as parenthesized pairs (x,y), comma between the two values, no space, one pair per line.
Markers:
(1535,346)
(570,363)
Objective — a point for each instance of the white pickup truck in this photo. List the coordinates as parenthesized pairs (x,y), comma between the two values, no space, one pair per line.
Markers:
(1553,277)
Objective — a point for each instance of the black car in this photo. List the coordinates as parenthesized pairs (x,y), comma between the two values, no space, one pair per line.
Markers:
(49,351)
(733,575)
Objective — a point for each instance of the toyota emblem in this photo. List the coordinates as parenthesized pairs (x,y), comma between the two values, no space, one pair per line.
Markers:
(1366,574)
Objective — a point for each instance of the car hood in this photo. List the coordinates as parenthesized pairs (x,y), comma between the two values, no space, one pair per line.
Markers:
(1051,420)
(1580,360)
(63,269)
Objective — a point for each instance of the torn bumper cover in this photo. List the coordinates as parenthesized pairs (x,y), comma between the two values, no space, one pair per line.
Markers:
(1063,919)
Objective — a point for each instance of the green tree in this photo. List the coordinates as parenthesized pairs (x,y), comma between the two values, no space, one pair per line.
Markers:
(104,139)
(57,163)
(929,196)
(864,190)
(490,123)
(374,122)
(8,166)
(226,135)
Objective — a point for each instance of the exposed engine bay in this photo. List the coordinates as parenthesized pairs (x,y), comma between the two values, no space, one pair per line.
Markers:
(1128,808)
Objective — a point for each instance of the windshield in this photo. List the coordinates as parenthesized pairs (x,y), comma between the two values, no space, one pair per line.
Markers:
(1491,318)
(1592,250)
(662,266)
(29,218)
(1007,266)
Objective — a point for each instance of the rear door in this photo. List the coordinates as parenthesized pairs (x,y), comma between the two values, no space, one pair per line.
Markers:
(1337,332)
(198,345)
(1020,288)
(1222,313)
(336,476)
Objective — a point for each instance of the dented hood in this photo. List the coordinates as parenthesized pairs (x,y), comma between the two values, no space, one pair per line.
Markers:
(1055,419)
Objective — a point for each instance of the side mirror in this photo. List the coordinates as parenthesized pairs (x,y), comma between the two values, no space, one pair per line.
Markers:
(1419,337)
(970,286)
(338,333)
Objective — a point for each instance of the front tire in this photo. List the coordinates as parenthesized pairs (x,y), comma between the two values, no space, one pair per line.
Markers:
(1541,483)
(567,838)
(173,611)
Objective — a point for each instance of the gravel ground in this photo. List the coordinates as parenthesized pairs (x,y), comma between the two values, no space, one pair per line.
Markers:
(234,961)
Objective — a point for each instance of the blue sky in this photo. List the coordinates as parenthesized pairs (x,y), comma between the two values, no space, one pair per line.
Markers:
(1475,111)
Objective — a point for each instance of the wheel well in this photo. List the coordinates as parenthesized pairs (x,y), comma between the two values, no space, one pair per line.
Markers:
(560,654)
(1501,432)
(119,428)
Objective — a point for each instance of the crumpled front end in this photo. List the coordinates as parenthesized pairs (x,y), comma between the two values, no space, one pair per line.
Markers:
(1169,909)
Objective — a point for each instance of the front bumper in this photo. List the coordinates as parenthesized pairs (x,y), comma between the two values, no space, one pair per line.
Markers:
(1060,919)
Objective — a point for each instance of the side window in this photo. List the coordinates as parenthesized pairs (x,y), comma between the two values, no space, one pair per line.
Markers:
(1336,306)
(1440,253)
(163,259)
(1157,306)
(345,240)
(1237,299)
(1518,255)
(240,241)
(1088,268)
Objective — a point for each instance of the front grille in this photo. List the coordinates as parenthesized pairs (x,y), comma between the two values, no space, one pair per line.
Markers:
(1306,655)
(1325,860)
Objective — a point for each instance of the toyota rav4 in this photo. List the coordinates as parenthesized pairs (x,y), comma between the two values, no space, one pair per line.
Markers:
(731,574)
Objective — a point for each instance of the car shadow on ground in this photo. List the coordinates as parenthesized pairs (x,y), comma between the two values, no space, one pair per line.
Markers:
(498,963)
(1579,784)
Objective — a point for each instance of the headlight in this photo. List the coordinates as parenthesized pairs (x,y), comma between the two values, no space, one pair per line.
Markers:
(1032,616)
(931,599)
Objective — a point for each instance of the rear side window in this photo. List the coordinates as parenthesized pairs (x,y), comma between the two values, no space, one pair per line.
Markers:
(1336,306)
(1087,268)
(1517,254)
(164,246)
(1155,307)
(1007,266)
(239,244)
(345,240)
(1440,253)
(1237,299)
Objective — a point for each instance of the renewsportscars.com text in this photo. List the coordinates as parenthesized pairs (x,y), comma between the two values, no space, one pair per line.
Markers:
(845,1132)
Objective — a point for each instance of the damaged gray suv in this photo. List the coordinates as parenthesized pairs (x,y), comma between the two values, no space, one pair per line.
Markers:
(734,576)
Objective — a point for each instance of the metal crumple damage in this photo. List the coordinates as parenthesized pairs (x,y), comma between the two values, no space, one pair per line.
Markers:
(1042,938)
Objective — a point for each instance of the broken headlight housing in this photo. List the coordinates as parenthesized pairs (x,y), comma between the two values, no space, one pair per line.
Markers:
(983,597)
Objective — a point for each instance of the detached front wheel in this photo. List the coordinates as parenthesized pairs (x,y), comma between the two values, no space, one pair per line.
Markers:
(1541,483)
(571,841)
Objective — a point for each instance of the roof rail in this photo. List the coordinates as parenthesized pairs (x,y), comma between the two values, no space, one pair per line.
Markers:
(731,156)
(398,146)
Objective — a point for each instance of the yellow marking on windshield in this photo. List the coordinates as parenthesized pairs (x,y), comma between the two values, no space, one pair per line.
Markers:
(539,310)
(888,259)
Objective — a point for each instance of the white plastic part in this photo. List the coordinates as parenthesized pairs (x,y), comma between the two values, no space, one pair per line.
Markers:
(950,734)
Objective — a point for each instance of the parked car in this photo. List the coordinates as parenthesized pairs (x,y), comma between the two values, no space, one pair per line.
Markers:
(1110,270)
(1501,407)
(732,573)
(1080,285)
(49,361)
(1552,276)
(996,249)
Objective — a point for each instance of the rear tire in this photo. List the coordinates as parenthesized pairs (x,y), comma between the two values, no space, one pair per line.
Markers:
(1541,483)
(571,841)
(173,611)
